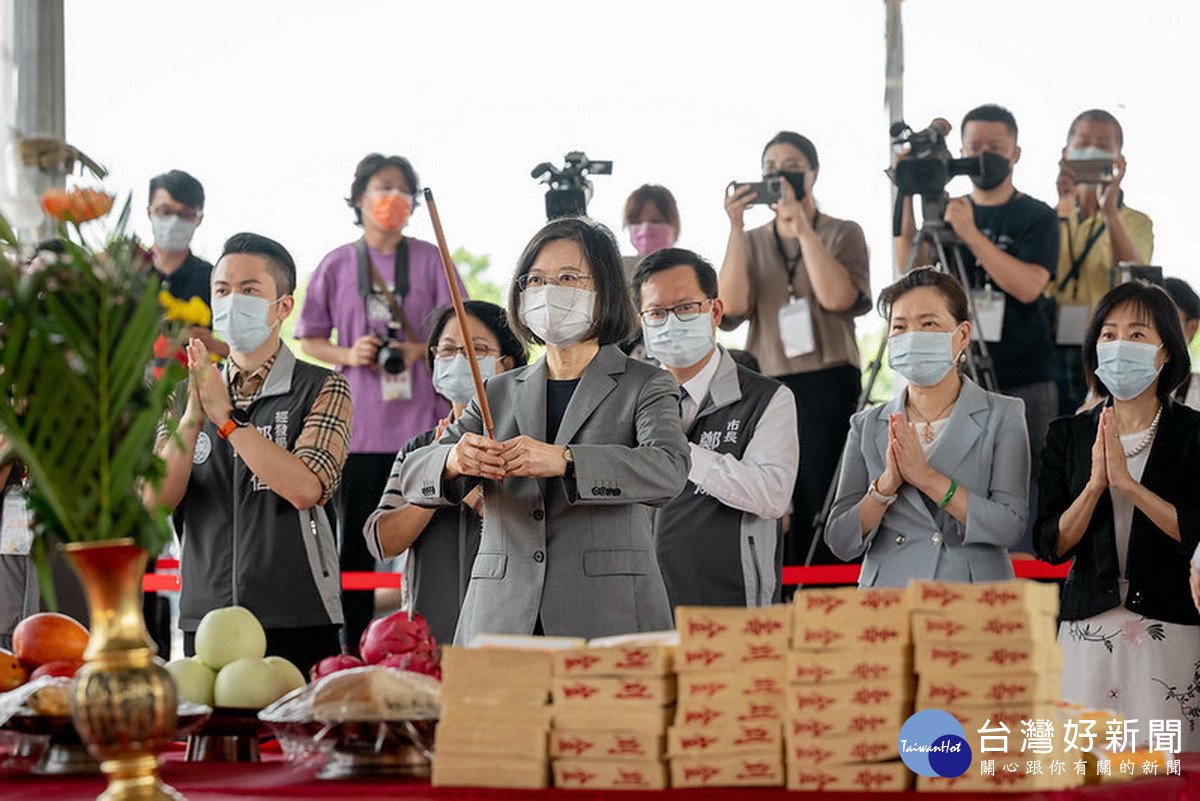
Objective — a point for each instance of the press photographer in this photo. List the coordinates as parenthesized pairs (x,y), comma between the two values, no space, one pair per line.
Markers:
(1009,244)
(1098,231)
(366,290)
(800,280)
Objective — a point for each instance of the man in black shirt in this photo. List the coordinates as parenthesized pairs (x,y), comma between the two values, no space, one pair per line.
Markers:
(1010,249)
(176,209)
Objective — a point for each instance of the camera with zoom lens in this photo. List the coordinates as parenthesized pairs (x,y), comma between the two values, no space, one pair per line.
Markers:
(390,357)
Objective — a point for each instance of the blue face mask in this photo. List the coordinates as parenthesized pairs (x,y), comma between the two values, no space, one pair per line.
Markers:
(241,320)
(1126,368)
(679,344)
(452,377)
(922,357)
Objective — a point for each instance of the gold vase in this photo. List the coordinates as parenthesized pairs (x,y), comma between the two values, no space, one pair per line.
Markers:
(124,703)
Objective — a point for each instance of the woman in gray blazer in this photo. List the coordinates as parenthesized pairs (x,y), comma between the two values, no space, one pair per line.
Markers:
(585,440)
(934,484)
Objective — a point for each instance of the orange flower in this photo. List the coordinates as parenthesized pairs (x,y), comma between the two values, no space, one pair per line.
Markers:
(76,205)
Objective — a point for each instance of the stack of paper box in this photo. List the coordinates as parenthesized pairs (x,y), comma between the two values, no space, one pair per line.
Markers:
(612,706)
(731,663)
(987,654)
(849,675)
(496,715)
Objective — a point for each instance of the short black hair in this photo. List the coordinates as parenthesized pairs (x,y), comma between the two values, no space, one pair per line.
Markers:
(373,163)
(946,285)
(990,112)
(662,199)
(666,259)
(1153,302)
(801,143)
(279,261)
(615,320)
(179,185)
(1101,116)
(490,315)
(1184,297)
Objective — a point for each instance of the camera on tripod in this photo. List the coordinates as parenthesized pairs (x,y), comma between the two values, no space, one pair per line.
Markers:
(570,190)
(928,166)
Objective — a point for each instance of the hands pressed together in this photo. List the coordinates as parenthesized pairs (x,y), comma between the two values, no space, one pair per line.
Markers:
(1109,467)
(905,459)
(476,455)
(208,395)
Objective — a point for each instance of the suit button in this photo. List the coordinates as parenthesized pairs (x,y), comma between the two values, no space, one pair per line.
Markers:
(936,539)
(539,556)
(538,514)
(615,491)
(597,490)
(900,538)
(427,491)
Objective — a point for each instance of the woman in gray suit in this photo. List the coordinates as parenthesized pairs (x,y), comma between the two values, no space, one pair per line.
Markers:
(585,439)
(934,484)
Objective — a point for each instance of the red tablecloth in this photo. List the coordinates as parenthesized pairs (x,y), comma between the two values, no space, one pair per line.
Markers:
(275,779)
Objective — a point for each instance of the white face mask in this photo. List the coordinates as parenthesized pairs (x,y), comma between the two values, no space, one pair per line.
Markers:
(172,233)
(679,344)
(241,321)
(558,316)
(452,377)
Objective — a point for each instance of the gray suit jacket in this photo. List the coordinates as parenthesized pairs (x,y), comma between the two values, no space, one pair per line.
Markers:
(576,552)
(984,448)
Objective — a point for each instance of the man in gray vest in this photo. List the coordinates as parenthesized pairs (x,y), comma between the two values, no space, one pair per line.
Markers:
(718,543)
(258,456)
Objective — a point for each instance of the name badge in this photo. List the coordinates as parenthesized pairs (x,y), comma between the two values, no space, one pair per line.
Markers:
(989,313)
(796,328)
(16,535)
(1072,324)
(396,387)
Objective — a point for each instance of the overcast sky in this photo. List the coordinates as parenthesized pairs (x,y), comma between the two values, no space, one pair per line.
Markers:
(270,104)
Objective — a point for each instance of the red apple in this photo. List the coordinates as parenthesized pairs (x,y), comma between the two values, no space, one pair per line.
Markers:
(59,667)
(332,664)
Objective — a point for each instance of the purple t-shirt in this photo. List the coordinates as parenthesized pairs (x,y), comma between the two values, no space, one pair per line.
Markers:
(333,302)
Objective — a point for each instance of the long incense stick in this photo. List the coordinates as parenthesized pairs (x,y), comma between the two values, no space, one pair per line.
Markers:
(459,312)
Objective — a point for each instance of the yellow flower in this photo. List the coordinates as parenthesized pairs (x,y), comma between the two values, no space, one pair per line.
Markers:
(194,311)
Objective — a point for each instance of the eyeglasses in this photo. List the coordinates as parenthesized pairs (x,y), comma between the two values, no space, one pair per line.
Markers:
(566,280)
(684,313)
(449,352)
(187,215)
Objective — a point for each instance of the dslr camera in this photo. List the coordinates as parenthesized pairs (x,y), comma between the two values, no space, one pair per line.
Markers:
(770,189)
(390,358)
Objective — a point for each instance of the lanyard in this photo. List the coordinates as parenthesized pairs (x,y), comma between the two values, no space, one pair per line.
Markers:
(1094,234)
(790,264)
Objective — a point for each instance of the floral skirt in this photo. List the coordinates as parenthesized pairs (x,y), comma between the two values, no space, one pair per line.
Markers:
(1141,668)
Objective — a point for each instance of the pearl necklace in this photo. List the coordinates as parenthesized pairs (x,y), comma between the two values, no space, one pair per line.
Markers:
(1146,440)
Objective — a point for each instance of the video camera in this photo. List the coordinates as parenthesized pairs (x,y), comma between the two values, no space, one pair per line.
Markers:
(928,166)
(570,190)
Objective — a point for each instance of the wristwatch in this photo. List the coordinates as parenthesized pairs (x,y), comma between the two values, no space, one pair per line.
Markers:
(238,418)
(886,500)
(570,460)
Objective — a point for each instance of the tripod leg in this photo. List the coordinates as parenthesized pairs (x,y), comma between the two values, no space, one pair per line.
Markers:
(864,399)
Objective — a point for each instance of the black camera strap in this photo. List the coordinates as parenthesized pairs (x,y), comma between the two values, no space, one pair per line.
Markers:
(1094,234)
(790,264)
(369,274)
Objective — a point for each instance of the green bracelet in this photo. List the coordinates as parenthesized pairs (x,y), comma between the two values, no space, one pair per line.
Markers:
(949,494)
